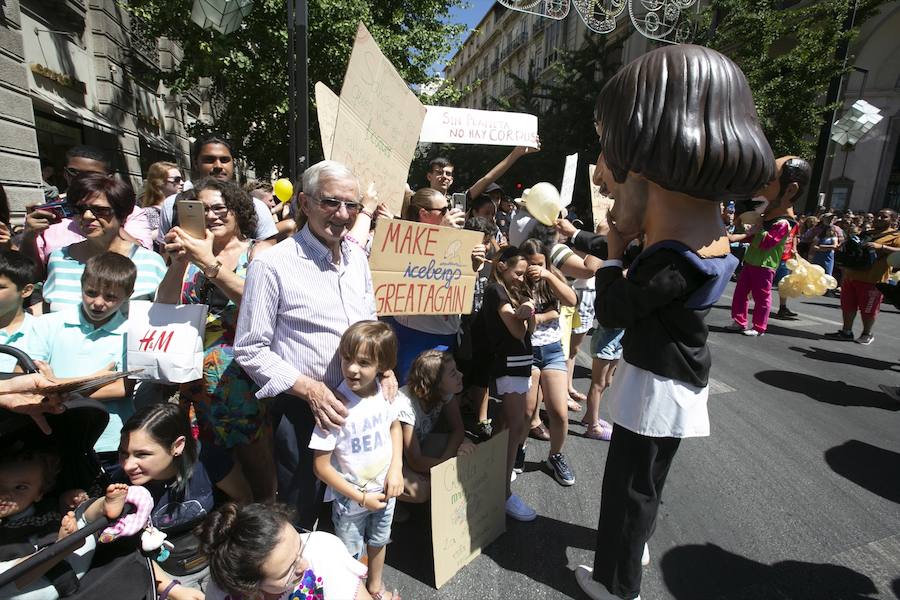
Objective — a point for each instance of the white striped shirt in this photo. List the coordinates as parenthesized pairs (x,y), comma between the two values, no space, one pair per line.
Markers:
(63,286)
(296,305)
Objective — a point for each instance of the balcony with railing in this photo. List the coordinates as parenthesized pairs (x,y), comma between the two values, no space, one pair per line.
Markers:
(143,45)
(495,64)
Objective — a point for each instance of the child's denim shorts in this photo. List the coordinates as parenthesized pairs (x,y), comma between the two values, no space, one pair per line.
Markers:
(606,344)
(357,529)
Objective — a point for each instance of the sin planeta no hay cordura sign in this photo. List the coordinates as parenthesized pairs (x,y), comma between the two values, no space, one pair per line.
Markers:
(420,269)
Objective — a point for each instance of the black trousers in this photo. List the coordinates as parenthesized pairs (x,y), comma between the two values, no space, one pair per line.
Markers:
(293,424)
(636,469)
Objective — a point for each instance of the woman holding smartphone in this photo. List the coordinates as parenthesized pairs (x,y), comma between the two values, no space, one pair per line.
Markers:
(211,270)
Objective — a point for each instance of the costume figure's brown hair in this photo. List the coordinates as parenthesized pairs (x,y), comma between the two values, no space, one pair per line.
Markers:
(684,118)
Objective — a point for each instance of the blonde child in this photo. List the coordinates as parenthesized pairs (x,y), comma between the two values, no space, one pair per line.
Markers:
(362,461)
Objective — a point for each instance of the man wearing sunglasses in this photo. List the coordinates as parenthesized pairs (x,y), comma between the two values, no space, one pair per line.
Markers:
(45,231)
(299,297)
(212,157)
(440,177)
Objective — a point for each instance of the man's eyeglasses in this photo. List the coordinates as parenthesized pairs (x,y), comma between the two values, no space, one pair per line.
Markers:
(438,173)
(175,179)
(333,204)
(99,212)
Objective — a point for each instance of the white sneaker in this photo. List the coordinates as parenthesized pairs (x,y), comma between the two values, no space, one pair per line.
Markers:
(751,333)
(518,510)
(594,589)
(645,557)
(513,475)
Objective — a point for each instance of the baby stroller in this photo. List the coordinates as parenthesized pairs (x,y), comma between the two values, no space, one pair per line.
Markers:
(118,570)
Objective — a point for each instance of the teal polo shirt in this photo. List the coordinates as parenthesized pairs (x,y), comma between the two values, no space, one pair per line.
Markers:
(19,339)
(74,347)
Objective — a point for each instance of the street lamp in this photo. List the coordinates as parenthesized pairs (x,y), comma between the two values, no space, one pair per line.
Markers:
(222,15)
(298,29)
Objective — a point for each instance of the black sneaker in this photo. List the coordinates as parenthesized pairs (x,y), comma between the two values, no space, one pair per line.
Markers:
(519,465)
(840,334)
(561,471)
(785,313)
(484,430)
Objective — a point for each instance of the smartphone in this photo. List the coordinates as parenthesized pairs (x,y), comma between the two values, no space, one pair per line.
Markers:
(459,201)
(192,217)
(59,209)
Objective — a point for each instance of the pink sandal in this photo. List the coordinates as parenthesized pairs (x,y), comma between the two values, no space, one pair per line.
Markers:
(598,432)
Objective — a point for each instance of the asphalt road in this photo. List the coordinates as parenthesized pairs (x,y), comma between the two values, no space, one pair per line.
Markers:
(795,496)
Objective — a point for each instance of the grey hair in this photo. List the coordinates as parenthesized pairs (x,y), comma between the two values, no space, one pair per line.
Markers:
(326,169)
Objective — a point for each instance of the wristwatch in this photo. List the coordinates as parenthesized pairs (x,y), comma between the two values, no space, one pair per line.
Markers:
(212,271)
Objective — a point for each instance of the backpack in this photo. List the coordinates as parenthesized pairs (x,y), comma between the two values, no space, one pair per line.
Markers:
(854,255)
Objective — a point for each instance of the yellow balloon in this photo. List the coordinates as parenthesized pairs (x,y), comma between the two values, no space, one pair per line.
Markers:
(543,202)
(830,282)
(791,263)
(283,189)
(818,269)
(809,289)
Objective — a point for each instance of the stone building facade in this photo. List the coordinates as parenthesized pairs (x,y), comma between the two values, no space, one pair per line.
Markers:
(508,42)
(867,177)
(82,72)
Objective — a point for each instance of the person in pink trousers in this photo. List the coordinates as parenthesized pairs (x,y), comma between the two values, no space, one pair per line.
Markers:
(767,246)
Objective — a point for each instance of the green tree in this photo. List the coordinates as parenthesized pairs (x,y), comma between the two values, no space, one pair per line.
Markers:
(248,69)
(788,55)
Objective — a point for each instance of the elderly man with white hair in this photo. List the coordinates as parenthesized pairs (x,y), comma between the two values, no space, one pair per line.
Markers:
(299,297)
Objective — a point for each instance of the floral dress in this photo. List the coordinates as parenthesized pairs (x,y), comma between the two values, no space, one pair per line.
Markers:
(224,401)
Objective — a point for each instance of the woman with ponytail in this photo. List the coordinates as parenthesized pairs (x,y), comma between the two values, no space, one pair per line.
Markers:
(255,553)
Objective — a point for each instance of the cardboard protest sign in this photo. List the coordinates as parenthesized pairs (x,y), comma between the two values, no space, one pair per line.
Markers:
(568,181)
(327,111)
(600,203)
(378,122)
(446,125)
(420,269)
(468,494)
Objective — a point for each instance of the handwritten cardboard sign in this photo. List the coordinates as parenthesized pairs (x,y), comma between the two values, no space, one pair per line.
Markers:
(420,269)
(327,103)
(378,122)
(467,506)
(568,181)
(446,125)
(600,203)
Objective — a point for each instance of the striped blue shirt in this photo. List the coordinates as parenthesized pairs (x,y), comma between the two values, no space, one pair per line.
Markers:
(63,286)
(296,305)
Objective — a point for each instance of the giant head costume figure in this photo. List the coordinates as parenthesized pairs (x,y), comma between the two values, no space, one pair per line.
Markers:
(679,133)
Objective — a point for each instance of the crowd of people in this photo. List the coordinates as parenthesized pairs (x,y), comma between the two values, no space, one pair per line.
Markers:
(307,397)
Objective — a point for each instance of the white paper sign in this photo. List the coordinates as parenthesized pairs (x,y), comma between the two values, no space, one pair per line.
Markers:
(568,182)
(447,125)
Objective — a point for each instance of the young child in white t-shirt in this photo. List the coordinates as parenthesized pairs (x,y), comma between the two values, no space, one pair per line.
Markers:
(362,461)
